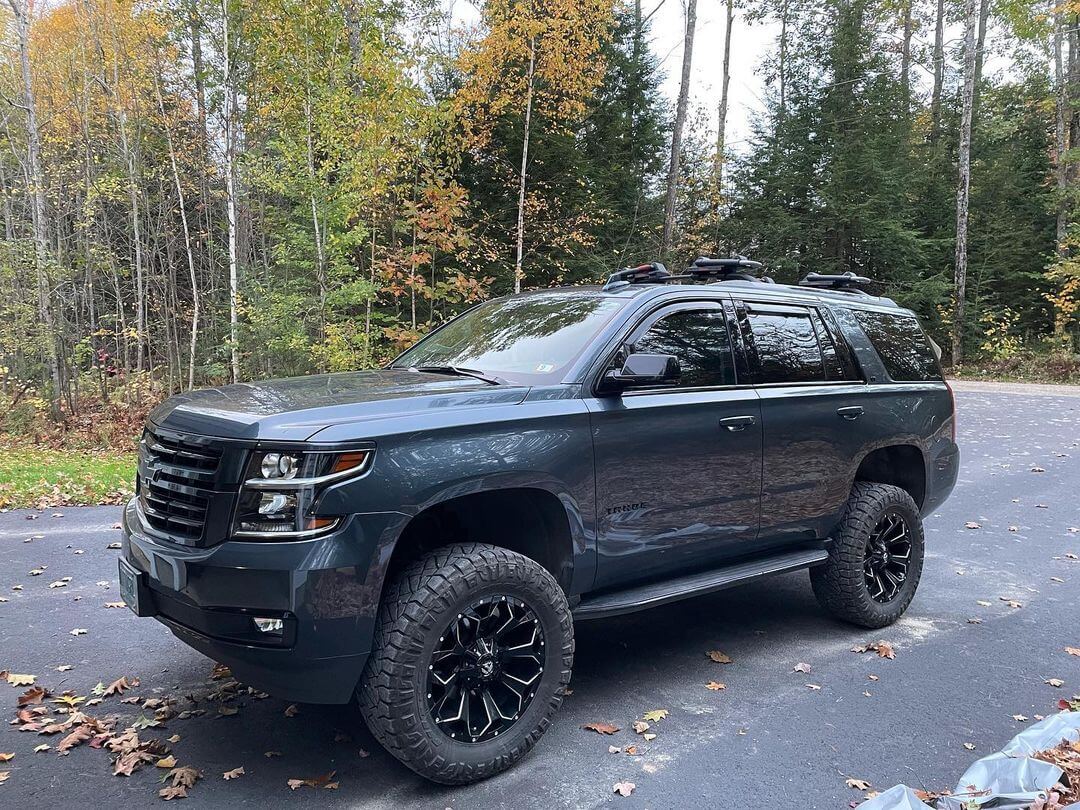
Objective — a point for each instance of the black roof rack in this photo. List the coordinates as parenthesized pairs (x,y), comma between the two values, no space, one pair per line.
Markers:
(704,268)
(733,268)
(848,282)
(654,273)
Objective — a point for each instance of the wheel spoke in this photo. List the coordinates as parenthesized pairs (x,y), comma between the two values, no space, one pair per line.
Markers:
(484,671)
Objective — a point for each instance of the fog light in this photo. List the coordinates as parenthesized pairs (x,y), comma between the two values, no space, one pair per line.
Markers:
(270,625)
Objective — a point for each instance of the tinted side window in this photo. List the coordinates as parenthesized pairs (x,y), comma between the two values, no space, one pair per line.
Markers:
(900,342)
(787,345)
(838,365)
(699,339)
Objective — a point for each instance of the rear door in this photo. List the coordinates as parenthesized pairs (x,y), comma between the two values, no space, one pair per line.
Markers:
(678,469)
(812,403)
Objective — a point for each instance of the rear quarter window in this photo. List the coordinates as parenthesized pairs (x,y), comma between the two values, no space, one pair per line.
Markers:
(901,344)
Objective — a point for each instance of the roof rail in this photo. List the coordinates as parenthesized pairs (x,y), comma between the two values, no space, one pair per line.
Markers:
(846,282)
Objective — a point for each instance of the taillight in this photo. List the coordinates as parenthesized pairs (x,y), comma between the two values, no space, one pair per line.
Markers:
(952,399)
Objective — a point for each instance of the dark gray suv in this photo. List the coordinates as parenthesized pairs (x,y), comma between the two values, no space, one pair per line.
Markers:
(423,537)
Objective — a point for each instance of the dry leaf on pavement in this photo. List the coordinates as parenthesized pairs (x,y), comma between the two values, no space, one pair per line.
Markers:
(803,668)
(235,773)
(640,726)
(655,716)
(624,788)
(715,686)
(857,784)
(718,657)
(601,728)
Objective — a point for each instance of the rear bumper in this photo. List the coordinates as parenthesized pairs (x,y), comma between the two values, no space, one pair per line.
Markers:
(324,590)
(943,466)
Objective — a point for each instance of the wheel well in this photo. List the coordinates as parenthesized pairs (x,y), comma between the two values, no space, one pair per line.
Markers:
(532,522)
(901,465)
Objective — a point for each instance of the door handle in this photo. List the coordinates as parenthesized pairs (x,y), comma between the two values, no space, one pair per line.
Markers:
(850,412)
(734,423)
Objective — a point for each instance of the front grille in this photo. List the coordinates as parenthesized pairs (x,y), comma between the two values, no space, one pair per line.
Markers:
(176,479)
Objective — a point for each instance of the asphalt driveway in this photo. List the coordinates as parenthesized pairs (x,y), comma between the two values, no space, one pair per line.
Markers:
(962,669)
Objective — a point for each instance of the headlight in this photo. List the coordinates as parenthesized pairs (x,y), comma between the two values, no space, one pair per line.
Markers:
(281,487)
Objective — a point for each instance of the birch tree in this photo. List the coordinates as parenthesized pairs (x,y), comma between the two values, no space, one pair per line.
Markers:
(963,183)
(677,128)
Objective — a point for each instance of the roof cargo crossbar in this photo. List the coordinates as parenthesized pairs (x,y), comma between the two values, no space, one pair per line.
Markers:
(841,281)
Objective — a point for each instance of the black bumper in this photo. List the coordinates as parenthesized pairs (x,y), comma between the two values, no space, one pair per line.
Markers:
(323,590)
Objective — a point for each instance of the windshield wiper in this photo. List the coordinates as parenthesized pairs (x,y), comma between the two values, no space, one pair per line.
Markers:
(460,372)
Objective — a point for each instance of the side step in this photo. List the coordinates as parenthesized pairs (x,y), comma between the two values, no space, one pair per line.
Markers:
(653,594)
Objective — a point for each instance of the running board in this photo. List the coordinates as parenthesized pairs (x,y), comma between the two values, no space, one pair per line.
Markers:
(653,594)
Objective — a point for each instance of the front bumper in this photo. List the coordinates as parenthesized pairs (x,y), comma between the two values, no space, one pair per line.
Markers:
(326,590)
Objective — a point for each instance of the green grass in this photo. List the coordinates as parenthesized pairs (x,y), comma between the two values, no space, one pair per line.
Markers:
(39,478)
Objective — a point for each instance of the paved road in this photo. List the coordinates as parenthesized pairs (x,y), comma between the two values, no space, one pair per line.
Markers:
(766,741)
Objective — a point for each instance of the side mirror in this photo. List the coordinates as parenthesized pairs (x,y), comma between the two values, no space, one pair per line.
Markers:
(643,370)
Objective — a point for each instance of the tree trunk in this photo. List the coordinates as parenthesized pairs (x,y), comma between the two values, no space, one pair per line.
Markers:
(230,194)
(677,130)
(963,184)
(531,79)
(782,67)
(188,247)
(721,127)
(939,72)
(38,214)
(1060,146)
(905,58)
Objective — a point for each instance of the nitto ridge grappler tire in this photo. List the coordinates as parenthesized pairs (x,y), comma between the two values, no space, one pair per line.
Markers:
(472,655)
(876,557)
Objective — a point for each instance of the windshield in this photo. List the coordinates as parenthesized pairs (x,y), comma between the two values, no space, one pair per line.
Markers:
(529,339)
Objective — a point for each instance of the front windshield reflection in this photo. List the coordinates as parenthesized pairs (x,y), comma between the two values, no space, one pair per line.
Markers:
(531,338)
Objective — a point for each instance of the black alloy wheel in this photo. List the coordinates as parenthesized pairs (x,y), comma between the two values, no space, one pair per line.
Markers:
(485,668)
(888,554)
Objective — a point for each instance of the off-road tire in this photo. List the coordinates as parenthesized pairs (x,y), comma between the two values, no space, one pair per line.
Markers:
(416,608)
(839,584)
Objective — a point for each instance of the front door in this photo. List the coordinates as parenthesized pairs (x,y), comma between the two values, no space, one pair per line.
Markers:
(678,469)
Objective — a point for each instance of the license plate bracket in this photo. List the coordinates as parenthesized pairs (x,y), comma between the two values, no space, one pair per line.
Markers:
(133,589)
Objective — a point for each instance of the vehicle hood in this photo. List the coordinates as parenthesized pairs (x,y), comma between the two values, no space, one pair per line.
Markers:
(296,408)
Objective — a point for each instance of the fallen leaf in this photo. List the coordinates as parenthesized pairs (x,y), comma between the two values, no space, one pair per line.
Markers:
(168,762)
(170,793)
(43,747)
(655,716)
(974,620)
(1073,650)
(883,648)
(813,687)
(1014,528)
(21,680)
(857,784)
(648,736)
(614,749)
(971,524)
(184,776)
(969,746)
(174,739)
(4,776)
(269,754)
(873,677)
(77,737)
(78,631)
(601,728)
(1055,682)
(35,694)
(219,672)
(65,668)
(1010,602)
(983,603)
(323,781)
(803,668)
(718,657)
(1037,469)
(115,604)
(5,757)
(363,754)
(640,726)
(624,788)
(118,686)
(715,686)
(631,750)
(1019,718)
(235,773)
(228,711)
(292,710)
(113,545)
(58,584)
